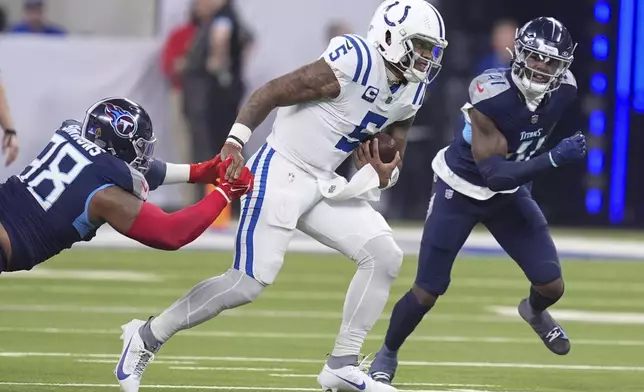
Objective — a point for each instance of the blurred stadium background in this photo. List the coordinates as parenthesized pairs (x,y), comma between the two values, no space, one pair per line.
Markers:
(59,323)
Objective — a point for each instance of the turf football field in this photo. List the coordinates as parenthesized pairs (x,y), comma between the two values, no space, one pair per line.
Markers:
(60,327)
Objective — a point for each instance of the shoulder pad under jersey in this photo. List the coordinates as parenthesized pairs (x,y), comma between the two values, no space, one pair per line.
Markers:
(351,58)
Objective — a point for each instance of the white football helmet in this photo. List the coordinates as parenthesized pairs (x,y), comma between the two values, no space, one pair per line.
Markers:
(409,34)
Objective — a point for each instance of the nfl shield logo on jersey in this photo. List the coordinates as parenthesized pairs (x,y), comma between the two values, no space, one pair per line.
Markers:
(449,193)
(534,119)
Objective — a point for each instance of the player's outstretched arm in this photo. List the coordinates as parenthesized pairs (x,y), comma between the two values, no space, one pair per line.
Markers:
(490,148)
(311,82)
(151,226)
(165,173)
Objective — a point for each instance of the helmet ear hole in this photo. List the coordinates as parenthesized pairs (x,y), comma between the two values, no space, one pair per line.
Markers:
(388,38)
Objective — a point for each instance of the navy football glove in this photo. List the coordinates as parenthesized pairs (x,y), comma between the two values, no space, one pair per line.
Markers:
(569,150)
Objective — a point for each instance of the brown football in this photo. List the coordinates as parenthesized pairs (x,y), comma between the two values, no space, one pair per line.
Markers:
(387,147)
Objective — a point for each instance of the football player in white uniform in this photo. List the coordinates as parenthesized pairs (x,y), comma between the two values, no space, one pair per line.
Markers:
(328,108)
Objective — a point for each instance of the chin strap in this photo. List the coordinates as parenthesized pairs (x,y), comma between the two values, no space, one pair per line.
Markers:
(532,99)
(391,77)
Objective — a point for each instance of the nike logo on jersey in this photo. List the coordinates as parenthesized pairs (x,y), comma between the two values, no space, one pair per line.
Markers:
(359,386)
(479,88)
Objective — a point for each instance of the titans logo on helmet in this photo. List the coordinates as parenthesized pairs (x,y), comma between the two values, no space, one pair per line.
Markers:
(122,121)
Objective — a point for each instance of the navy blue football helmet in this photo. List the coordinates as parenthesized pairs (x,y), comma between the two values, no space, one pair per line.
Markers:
(123,128)
(543,52)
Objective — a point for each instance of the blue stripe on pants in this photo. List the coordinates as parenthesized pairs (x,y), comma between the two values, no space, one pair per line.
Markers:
(244,211)
(255,215)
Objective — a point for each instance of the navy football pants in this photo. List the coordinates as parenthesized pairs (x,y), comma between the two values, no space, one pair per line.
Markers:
(515,220)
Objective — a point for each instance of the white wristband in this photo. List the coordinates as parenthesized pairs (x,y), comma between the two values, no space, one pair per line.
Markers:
(239,134)
(393,179)
(176,173)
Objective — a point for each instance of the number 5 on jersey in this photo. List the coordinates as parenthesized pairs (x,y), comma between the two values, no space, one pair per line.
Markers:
(340,51)
(358,135)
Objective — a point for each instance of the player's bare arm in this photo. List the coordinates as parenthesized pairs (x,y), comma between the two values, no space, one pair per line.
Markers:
(151,226)
(116,207)
(311,82)
(487,139)
(490,150)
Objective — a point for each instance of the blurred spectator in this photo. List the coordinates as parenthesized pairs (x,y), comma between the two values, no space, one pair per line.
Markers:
(335,29)
(248,44)
(503,34)
(3,19)
(173,65)
(34,20)
(212,80)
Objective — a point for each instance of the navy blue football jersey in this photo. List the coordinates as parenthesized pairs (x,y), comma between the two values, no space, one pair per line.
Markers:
(45,209)
(495,94)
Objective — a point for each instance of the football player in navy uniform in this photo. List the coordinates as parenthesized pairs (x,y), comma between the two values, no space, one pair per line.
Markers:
(483,177)
(93,173)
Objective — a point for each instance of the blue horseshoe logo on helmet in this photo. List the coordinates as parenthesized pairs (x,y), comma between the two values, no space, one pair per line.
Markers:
(392,24)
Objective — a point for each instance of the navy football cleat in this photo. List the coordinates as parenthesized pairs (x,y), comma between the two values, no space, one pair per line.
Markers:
(550,332)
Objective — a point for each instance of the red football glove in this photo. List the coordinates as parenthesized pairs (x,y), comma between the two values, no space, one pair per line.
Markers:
(239,187)
(205,172)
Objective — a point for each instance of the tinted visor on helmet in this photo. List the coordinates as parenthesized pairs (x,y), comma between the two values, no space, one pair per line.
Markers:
(423,58)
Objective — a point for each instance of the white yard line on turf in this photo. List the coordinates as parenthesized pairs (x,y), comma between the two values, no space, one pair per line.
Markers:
(292,295)
(195,387)
(205,387)
(72,274)
(633,318)
(162,362)
(321,361)
(255,313)
(433,384)
(232,369)
(580,315)
(324,336)
(406,384)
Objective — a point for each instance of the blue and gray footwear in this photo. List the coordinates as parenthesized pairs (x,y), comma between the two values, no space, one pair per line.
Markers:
(550,332)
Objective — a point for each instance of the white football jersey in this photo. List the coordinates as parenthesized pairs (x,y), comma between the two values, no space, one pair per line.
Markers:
(318,136)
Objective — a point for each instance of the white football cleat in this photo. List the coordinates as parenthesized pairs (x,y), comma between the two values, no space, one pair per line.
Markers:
(134,357)
(350,379)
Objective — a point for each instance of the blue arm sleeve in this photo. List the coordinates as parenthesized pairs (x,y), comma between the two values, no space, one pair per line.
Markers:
(501,175)
(156,174)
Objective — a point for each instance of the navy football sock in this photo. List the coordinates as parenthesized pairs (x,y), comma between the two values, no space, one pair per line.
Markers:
(538,302)
(406,315)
